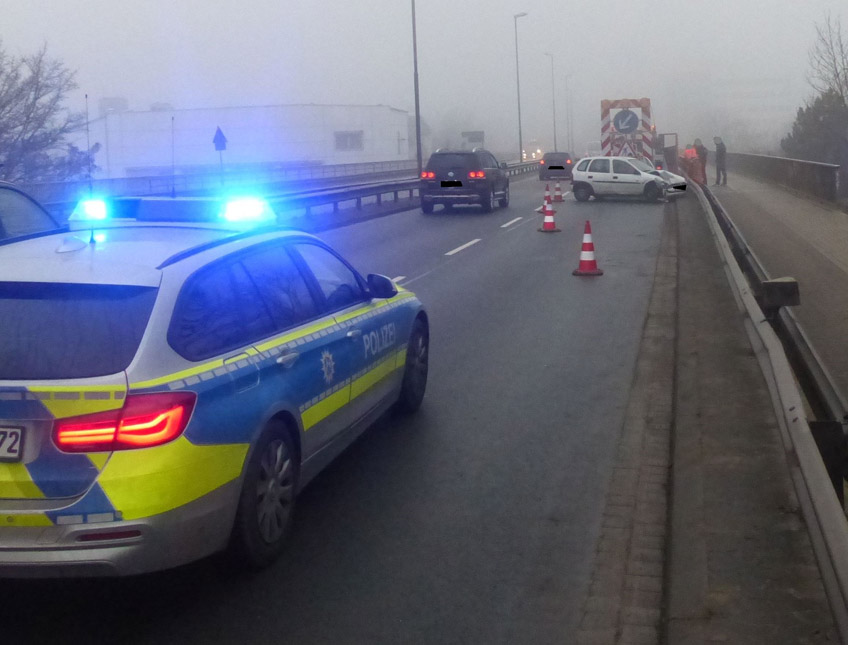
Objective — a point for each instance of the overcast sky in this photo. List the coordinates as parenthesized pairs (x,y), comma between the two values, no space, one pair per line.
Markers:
(736,68)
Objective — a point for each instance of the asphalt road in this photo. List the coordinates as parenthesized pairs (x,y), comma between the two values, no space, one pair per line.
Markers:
(473,521)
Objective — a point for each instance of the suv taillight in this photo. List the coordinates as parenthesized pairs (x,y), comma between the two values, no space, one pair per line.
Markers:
(428,174)
(476,174)
(145,420)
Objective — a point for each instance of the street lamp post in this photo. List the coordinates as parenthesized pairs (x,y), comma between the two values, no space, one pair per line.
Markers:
(568,113)
(518,86)
(553,97)
(417,107)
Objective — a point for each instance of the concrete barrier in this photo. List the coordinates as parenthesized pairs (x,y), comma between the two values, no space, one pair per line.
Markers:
(819,180)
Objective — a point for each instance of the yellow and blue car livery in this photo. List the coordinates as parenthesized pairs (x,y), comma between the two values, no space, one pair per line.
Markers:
(142,468)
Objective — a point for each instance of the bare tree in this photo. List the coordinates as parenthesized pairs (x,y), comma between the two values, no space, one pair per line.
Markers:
(829,59)
(33,120)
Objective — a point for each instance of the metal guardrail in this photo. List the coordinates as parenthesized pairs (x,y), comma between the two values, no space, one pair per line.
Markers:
(313,199)
(205,182)
(820,180)
(790,356)
(283,195)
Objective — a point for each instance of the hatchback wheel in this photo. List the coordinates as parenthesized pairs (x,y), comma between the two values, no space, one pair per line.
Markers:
(267,499)
(582,193)
(652,192)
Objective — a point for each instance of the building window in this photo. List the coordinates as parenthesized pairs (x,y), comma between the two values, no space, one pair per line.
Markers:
(350,140)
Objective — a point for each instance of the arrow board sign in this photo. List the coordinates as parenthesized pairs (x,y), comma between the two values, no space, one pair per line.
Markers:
(219,140)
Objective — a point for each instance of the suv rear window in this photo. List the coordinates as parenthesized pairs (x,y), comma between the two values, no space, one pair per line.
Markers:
(453,160)
(56,331)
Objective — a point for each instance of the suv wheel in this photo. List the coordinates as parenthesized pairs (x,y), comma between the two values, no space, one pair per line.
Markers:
(489,201)
(504,201)
(582,193)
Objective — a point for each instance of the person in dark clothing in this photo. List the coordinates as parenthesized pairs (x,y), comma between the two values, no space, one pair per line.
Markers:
(721,161)
(701,149)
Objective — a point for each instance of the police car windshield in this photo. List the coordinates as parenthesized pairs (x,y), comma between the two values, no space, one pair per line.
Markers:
(56,331)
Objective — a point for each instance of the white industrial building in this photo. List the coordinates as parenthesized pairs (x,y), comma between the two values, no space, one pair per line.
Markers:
(163,140)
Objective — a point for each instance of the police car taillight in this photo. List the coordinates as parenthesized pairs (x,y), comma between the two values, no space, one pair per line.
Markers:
(146,420)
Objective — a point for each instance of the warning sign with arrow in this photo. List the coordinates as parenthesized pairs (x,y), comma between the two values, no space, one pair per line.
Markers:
(219,140)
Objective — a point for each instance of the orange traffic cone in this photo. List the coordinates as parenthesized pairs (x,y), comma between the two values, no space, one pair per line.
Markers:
(549,226)
(587,266)
(557,193)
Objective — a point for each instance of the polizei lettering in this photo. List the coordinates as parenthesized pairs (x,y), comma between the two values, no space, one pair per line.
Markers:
(380,340)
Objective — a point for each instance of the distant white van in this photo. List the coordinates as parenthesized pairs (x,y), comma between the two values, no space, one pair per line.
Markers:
(593,149)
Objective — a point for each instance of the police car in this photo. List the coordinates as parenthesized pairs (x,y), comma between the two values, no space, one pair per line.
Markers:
(173,372)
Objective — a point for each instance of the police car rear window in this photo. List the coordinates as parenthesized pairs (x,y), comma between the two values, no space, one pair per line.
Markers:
(57,331)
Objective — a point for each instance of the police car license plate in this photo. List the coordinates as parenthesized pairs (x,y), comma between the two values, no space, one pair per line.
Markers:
(11,443)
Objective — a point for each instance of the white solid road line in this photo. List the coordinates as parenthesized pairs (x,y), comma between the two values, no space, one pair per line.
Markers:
(463,247)
(399,278)
(511,222)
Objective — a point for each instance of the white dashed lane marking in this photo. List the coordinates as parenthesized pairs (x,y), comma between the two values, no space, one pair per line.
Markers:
(463,247)
(511,222)
(399,278)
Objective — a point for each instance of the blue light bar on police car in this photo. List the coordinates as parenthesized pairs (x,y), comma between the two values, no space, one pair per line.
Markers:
(248,210)
(90,210)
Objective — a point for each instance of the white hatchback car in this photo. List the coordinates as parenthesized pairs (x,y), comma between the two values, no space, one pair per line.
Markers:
(616,176)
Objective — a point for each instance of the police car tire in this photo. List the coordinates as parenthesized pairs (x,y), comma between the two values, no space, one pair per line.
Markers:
(489,201)
(417,366)
(426,208)
(247,541)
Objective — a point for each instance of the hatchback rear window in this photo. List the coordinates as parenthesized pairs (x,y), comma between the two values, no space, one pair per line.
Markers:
(556,158)
(453,161)
(56,331)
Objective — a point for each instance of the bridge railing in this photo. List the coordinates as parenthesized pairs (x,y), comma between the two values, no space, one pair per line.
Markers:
(819,180)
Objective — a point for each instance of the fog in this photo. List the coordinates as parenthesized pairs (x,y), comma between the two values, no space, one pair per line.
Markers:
(734,68)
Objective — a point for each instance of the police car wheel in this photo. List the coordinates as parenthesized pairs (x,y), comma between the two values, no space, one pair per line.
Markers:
(267,499)
(415,373)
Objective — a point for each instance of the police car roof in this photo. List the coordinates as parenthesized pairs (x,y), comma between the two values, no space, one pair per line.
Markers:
(127,254)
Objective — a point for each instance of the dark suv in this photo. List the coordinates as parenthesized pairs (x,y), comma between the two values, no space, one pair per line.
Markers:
(555,165)
(454,177)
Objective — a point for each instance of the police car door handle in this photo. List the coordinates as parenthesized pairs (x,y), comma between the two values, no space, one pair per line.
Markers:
(354,333)
(288,359)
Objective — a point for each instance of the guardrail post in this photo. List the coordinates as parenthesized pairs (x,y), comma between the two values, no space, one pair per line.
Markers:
(379,199)
(359,203)
(830,440)
(396,195)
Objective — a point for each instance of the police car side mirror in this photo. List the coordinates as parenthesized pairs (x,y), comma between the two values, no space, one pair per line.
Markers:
(379,286)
